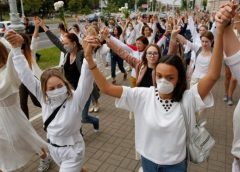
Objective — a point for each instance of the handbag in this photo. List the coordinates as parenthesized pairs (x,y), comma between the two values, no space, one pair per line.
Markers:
(199,141)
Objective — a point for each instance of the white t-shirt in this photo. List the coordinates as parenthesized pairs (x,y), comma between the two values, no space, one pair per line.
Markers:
(160,135)
(201,66)
(234,63)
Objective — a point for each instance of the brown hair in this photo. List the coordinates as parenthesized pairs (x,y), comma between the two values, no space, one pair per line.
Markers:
(205,26)
(50,73)
(26,49)
(3,54)
(144,58)
(208,35)
(144,27)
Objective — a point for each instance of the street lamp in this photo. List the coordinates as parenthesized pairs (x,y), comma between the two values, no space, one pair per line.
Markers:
(14,17)
(21,1)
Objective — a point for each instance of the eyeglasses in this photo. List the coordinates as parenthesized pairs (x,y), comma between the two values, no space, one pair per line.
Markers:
(152,53)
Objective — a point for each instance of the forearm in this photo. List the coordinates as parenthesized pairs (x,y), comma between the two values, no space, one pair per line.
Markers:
(55,40)
(104,86)
(25,74)
(231,42)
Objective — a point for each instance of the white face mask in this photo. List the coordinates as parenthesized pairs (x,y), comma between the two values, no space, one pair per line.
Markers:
(57,96)
(68,48)
(164,86)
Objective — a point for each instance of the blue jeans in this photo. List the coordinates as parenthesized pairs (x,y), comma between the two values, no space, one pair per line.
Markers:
(86,118)
(114,61)
(149,166)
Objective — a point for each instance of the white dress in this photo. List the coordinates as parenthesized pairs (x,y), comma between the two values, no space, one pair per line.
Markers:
(18,139)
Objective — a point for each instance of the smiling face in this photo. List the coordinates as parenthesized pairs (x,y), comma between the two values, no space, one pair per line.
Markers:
(206,43)
(147,31)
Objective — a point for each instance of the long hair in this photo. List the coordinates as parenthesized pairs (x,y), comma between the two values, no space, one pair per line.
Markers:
(3,54)
(26,49)
(73,38)
(48,73)
(181,86)
(144,56)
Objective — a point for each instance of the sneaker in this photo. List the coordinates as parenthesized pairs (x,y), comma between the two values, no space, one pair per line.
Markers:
(140,169)
(91,109)
(225,98)
(230,102)
(44,164)
(96,109)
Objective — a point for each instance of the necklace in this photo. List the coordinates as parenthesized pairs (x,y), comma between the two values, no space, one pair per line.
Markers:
(166,104)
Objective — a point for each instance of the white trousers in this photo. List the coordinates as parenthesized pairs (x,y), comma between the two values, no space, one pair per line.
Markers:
(70,159)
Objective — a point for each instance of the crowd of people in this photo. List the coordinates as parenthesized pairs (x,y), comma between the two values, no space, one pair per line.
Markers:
(173,60)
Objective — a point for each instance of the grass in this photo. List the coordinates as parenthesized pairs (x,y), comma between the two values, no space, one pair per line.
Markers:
(49,57)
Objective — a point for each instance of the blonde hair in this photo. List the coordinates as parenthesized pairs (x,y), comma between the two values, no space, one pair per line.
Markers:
(57,73)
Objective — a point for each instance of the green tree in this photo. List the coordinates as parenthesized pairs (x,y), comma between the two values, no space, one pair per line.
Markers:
(75,5)
(32,6)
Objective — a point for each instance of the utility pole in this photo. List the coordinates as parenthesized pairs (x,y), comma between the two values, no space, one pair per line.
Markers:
(23,15)
(14,17)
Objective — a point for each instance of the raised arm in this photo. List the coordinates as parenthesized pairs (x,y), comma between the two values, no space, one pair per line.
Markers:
(207,82)
(119,50)
(53,38)
(104,86)
(21,65)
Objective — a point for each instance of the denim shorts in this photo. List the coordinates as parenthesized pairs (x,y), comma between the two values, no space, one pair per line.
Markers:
(149,166)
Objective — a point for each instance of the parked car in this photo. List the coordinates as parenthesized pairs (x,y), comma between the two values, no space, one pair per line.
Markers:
(4,26)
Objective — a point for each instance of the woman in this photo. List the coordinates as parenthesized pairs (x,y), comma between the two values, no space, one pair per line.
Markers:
(18,139)
(150,33)
(129,34)
(115,59)
(53,91)
(199,65)
(145,68)
(73,54)
(232,51)
(160,129)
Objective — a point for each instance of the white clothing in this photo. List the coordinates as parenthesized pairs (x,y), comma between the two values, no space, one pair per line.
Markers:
(64,129)
(201,66)
(73,157)
(234,63)
(130,37)
(18,139)
(160,136)
(137,55)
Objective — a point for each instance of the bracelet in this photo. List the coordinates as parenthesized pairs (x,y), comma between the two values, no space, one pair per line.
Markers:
(91,68)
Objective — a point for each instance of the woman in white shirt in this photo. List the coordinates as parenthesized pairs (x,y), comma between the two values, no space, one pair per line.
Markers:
(66,144)
(232,60)
(199,65)
(160,132)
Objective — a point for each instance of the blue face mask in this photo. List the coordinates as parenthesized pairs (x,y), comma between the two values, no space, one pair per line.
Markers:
(68,48)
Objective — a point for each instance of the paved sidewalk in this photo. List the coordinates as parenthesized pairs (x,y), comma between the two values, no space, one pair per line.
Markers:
(112,149)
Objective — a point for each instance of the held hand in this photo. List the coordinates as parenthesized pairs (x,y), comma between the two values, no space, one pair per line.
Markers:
(36,21)
(14,39)
(105,33)
(41,22)
(176,30)
(89,44)
(225,14)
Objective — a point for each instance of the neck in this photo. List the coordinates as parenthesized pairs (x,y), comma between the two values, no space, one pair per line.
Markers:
(208,49)
(74,52)
(152,66)
(165,96)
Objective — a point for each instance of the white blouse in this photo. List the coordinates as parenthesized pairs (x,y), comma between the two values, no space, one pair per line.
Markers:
(160,135)
(64,129)
(234,63)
